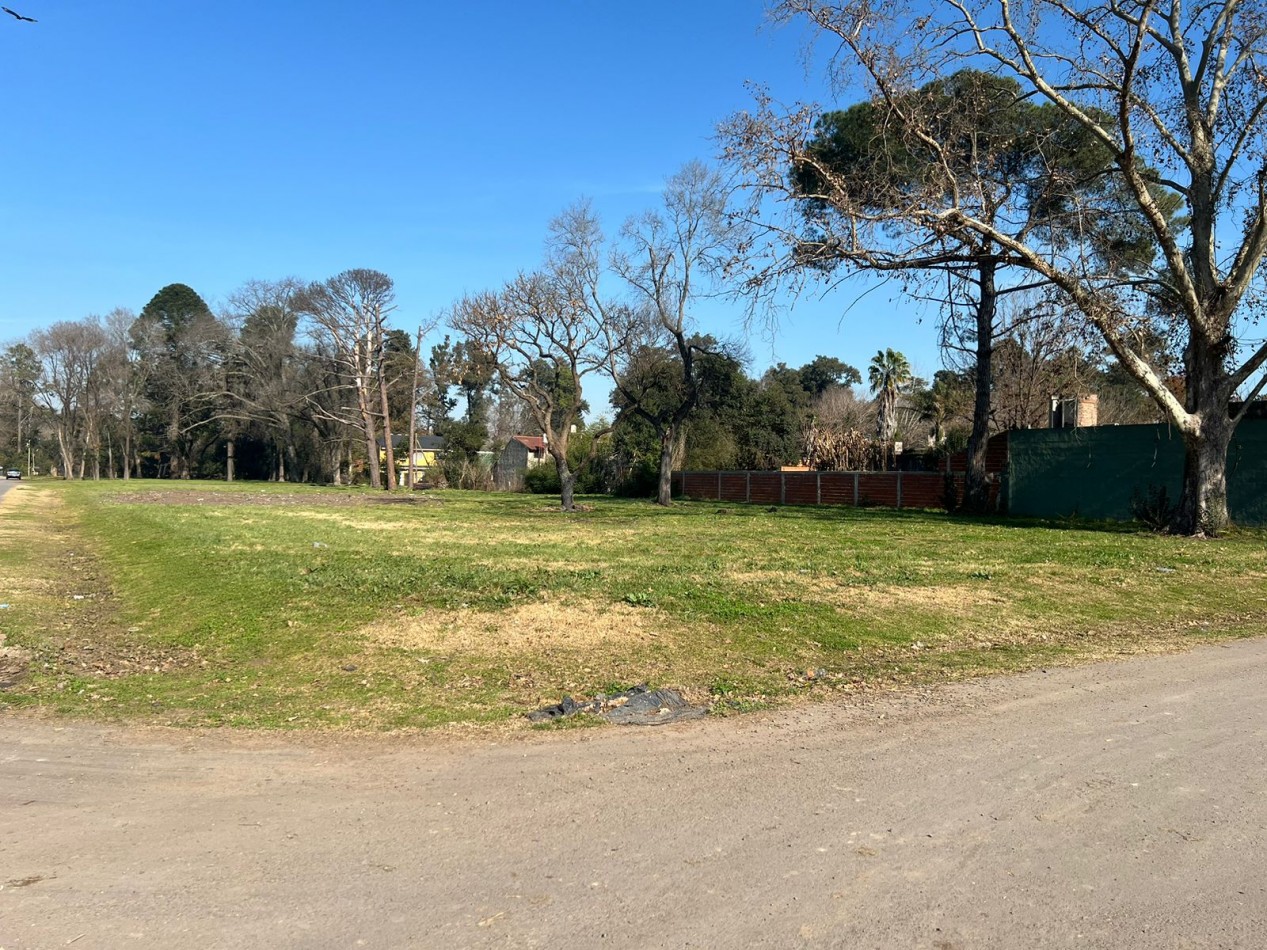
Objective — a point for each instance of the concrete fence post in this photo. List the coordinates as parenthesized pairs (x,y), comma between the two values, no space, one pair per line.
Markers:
(855,489)
(818,488)
(782,488)
(719,486)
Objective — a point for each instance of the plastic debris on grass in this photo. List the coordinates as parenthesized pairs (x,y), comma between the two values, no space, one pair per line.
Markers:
(638,706)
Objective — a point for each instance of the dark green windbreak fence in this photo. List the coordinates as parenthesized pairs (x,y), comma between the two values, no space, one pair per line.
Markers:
(1095,472)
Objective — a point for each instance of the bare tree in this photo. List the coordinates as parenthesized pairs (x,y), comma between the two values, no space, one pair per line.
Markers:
(509,417)
(125,378)
(265,379)
(1152,84)
(839,407)
(667,258)
(347,317)
(548,330)
(70,353)
(1040,348)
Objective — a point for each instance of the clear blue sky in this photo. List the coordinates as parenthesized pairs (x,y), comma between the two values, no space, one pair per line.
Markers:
(157,141)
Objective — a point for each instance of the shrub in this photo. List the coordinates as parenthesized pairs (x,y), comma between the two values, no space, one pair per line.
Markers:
(642,480)
(542,479)
(950,493)
(461,473)
(1153,507)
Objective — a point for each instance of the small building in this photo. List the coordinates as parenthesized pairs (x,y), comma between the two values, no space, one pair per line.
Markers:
(426,456)
(521,453)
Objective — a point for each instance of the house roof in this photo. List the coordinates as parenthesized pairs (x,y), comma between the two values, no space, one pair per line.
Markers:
(534,442)
(425,443)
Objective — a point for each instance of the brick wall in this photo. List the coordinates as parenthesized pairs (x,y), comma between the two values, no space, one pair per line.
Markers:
(886,489)
(996,457)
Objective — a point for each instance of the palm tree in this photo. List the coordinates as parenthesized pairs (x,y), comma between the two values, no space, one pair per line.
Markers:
(889,375)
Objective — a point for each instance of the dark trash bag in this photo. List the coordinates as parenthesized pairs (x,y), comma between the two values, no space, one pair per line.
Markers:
(639,706)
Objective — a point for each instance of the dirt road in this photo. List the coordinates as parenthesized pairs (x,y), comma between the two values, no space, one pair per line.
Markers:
(1114,806)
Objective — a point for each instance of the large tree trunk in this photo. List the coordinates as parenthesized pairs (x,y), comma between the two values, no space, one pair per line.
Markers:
(1203,506)
(371,437)
(336,463)
(567,491)
(1207,435)
(664,491)
(567,480)
(127,456)
(229,461)
(387,432)
(68,458)
(976,491)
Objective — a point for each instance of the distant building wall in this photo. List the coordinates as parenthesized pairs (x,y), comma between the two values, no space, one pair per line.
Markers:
(511,464)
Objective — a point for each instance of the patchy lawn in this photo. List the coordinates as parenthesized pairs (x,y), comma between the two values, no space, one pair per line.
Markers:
(288,606)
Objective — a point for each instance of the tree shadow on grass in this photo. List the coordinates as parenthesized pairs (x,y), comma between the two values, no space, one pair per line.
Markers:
(868,514)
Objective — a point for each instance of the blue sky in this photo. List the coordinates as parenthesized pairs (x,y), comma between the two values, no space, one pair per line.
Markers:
(150,142)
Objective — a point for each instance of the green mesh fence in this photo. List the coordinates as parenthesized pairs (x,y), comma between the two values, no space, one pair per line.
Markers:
(1097,472)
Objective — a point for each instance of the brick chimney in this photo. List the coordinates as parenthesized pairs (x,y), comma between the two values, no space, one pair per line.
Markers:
(1077,412)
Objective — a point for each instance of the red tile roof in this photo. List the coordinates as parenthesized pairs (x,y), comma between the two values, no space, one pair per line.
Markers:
(535,442)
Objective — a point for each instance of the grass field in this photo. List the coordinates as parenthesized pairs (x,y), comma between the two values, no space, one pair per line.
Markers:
(286,606)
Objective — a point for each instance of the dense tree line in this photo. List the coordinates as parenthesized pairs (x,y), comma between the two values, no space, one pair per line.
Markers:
(290,381)
(310,381)
(307,382)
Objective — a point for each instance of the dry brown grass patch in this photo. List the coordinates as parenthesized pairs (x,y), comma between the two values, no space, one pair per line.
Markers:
(25,497)
(539,626)
(946,597)
(785,585)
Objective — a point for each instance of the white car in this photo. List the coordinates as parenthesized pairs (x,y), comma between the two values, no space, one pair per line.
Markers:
(13,473)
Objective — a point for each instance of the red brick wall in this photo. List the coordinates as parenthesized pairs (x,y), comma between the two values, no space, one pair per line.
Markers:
(699,485)
(995,457)
(764,488)
(801,488)
(734,486)
(878,488)
(923,490)
(837,488)
(917,489)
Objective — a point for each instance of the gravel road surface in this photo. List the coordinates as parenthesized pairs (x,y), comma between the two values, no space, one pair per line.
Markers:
(1119,805)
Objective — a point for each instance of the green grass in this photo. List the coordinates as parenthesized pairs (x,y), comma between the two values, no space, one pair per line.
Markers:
(327,608)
